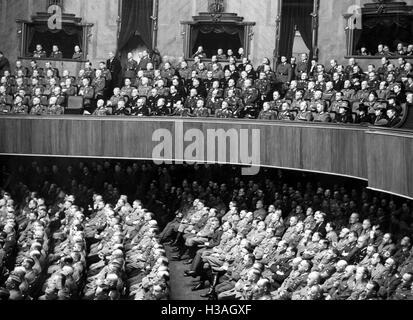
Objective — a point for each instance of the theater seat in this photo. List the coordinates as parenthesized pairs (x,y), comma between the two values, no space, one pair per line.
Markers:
(74,105)
(44,100)
(403,116)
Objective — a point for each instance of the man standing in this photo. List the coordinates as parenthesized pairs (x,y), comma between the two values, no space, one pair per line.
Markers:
(284,72)
(114,66)
(302,66)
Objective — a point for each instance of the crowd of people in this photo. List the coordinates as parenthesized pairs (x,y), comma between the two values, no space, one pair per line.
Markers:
(400,49)
(278,236)
(222,87)
(53,249)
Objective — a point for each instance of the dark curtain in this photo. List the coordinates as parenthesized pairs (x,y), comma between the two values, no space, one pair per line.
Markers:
(295,13)
(231,33)
(136,21)
(287,31)
(66,38)
(390,30)
(194,39)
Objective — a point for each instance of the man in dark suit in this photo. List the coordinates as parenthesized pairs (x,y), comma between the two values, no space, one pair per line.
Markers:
(394,119)
(320,223)
(114,66)
(4,64)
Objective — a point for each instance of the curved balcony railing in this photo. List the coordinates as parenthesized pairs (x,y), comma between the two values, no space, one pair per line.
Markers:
(383,157)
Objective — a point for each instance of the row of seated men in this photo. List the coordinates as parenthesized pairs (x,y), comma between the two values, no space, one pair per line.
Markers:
(251,89)
(260,255)
(61,254)
(295,224)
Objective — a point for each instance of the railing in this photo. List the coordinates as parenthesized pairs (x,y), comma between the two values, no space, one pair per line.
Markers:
(382,157)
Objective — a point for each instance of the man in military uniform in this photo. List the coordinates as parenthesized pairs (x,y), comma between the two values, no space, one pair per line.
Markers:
(264,87)
(179,110)
(144,88)
(267,113)
(209,81)
(60,98)
(335,106)
(152,100)
(167,72)
(225,111)
(49,88)
(313,279)
(214,102)
(89,71)
(114,99)
(131,67)
(285,114)
(102,109)
(302,82)
(276,101)
(295,105)
(54,108)
(322,115)
(217,72)
(34,67)
(242,79)
(56,53)
(5,101)
(192,100)
(329,93)
(99,84)
(302,66)
(19,107)
(68,89)
(87,92)
(363,94)
(162,108)
(39,52)
(163,91)
(390,280)
(174,96)
(140,109)
(201,111)
(404,291)
(184,72)
(318,97)
(232,86)
(295,281)
(105,71)
(126,90)
(20,68)
(303,113)
(221,55)
(284,71)
(249,96)
(348,91)
(199,53)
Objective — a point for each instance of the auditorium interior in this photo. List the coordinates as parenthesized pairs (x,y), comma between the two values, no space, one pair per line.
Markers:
(222,150)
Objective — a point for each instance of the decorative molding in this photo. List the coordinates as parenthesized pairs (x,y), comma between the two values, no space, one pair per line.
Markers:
(155,21)
(216,6)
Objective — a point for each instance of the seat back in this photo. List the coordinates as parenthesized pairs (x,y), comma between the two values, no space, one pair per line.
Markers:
(74,105)
(403,116)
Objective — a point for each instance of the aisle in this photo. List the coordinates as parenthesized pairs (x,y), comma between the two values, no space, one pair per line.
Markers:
(181,286)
